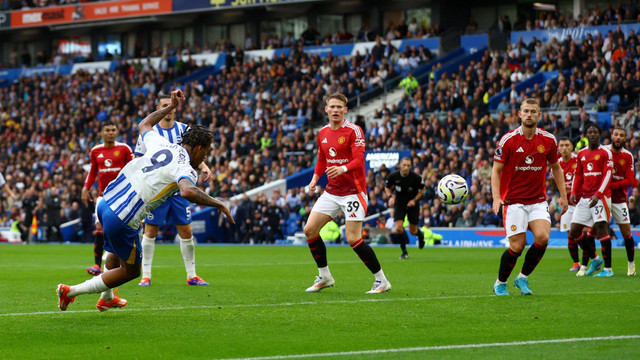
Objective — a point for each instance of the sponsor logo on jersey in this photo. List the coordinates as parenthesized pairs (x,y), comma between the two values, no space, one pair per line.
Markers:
(540,149)
(589,166)
(359,142)
(499,151)
(528,168)
(353,215)
(100,156)
(341,140)
(528,159)
(324,141)
(568,176)
(333,152)
(108,163)
(583,159)
(520,149)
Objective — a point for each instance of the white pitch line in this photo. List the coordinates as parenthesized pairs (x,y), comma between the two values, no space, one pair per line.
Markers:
(302,303)
(440,347)
(80,266)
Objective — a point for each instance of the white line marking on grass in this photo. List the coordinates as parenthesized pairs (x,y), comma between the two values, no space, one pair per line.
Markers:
(302,303)
(440,347)
(307,263)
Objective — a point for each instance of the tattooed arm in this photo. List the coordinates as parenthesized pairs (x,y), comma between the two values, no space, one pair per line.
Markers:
(195,195)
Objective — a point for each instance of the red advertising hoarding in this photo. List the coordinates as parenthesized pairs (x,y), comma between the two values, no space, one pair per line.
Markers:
(89,12)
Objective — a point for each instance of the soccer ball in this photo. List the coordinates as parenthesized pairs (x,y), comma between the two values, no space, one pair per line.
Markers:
(452,189)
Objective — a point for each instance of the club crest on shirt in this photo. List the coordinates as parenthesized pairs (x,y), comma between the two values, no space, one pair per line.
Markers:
(622,162)
(116,153)
(597,157)
(513,228)
(540,149)
(341,140)
(574,166)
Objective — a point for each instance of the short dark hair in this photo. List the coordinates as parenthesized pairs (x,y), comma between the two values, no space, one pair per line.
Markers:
(107,123)
(565,138)
(618,127)
(162,97)
(197,136)
(593,124)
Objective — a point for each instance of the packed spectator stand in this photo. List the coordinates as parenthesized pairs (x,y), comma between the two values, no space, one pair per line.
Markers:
(263,113)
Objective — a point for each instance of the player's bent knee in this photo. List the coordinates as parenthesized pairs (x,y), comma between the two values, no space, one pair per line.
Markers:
(310,232)
(185,231)
(134,273)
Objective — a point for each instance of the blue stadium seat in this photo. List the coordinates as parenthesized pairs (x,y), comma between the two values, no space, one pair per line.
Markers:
(291,226)
(137,91)
(604,120)
(615,99)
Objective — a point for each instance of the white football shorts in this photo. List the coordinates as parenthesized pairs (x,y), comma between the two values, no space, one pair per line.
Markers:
(518,216)
(565,220)
(95,212)
(587,216)
(354,206)
(620,213)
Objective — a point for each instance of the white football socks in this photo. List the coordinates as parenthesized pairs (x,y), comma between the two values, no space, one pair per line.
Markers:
(380,276)
(188,249)
(108,294)
(91,286)
(324,272)
(148,246)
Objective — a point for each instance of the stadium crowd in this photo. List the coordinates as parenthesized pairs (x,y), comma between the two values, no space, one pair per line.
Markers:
(263,111)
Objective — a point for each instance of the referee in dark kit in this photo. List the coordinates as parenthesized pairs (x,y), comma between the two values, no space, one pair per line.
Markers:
(405,189)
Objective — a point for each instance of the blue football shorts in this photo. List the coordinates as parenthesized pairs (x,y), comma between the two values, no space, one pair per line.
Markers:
(119,238)
(174,211)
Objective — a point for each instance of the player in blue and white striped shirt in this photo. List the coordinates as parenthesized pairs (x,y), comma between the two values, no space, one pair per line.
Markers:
(175,211)
(141,186)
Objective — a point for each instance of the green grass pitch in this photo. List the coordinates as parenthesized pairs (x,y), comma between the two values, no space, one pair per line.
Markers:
(441,306)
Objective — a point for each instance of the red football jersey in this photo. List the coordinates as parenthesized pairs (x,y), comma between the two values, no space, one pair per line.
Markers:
(569,171)
(522,180)
(344,146)
(623,175)
(593,173)
(106,163)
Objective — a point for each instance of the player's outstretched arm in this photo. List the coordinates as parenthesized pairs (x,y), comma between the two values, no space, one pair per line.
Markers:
(195,195)
(152,119)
